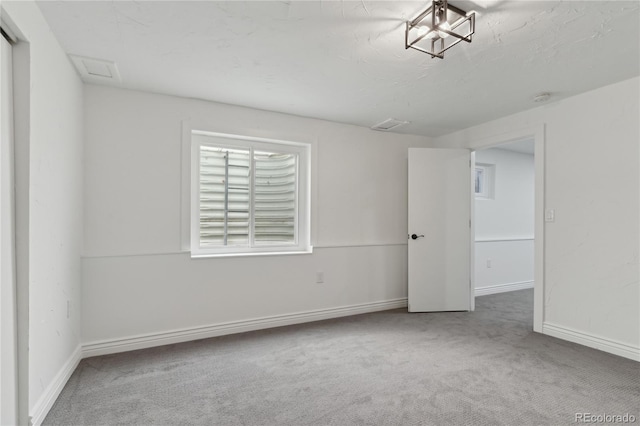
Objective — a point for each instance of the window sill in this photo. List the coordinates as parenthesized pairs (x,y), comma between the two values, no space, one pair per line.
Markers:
(251,254)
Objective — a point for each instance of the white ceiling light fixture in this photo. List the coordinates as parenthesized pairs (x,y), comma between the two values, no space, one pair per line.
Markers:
(434,31)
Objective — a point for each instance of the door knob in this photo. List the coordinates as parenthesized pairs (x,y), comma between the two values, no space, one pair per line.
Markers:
(415,237)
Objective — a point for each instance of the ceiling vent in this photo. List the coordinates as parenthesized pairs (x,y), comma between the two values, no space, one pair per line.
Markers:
(96,70)
(388,124)
(542,97)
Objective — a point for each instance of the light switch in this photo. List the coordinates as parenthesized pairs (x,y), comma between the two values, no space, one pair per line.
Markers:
(549,215)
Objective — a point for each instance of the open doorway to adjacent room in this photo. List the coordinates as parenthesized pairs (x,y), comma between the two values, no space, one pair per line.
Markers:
(504,218)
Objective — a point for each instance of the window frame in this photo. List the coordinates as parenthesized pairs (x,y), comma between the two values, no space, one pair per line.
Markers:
(302,217)
(487,181)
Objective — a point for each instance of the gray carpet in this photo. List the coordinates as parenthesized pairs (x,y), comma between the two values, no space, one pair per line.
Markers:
(385,368)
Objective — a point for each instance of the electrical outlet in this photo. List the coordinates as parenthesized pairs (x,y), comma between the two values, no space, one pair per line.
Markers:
(488,263)
(319,277)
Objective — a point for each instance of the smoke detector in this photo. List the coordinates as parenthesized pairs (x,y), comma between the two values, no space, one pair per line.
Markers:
(388,124)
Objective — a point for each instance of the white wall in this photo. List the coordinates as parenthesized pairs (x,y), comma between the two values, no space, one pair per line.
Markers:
(503,265)
(53,186)
(509,214)
(592,286)
(504,224)
(137,281)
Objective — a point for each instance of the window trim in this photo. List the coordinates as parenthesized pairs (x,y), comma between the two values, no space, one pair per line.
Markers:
(303,193)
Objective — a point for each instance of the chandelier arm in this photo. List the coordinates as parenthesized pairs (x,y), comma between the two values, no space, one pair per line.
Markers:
(456,10)
(432,54)
(440,54)
(459,22)
(420,17)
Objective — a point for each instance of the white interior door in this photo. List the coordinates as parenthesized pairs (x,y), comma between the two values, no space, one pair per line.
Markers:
(439,230)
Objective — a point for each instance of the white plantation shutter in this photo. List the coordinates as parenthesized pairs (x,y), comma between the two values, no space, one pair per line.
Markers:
(275,198)
(248,195)
(224,196)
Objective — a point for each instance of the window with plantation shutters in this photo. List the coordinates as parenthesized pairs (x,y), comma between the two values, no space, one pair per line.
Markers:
(249,195)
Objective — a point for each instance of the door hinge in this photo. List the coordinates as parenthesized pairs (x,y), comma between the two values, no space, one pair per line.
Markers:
(469,223)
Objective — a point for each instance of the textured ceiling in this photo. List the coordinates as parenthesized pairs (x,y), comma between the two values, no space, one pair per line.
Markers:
(345,61)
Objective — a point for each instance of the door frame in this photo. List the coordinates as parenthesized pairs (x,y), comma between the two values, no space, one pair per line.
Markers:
(21,85)
(537,133)
(8,289)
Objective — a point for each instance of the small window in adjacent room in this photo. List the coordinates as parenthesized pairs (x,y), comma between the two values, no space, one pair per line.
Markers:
(248,195)
(484,181)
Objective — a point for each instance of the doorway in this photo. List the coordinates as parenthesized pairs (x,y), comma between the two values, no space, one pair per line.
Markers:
(528,141)
(504,184)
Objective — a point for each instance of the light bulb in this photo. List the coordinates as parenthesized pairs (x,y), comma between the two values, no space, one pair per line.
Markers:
(445,26)
(422,30)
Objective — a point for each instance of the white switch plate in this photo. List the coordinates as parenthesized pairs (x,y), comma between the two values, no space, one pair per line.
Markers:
(549,215)
(319,277)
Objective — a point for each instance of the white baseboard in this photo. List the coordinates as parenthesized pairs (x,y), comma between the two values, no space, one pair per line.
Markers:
(105,347)
(51,393)
(501,288)
(591,341)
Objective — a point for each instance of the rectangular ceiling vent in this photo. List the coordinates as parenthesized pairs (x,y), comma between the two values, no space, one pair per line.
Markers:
(388,124)
(96,70)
